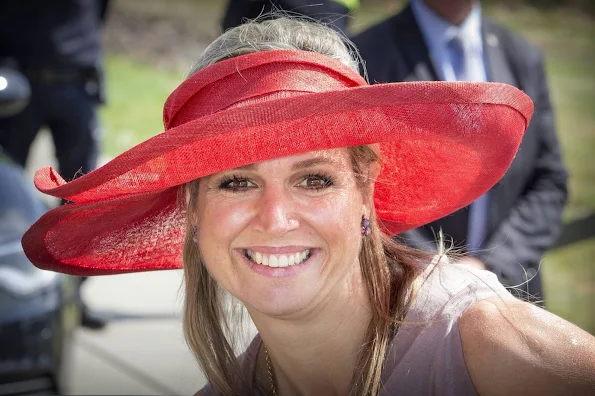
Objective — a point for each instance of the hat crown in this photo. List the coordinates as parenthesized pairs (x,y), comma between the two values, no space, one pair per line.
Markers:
(250,78)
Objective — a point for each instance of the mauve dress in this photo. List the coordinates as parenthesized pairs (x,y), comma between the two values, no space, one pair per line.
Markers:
(426,355)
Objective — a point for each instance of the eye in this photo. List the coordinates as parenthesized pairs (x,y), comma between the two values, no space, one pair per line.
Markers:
(316,182)
(235,183)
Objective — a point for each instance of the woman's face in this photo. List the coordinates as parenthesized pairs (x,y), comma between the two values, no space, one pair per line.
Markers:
(283,236)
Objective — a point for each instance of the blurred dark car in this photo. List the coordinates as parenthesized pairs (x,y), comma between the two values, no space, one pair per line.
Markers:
(39,310)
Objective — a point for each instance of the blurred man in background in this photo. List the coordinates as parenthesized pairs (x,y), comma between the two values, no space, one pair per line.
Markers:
(57,46)
(508,229)
(331,12)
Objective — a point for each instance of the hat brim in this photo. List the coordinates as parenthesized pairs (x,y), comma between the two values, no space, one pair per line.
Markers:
(442,146)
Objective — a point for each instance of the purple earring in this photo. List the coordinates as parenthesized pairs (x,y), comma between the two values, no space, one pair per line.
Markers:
(366,230)
(194,234)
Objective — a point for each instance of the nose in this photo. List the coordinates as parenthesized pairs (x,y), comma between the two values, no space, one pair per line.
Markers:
(276,212)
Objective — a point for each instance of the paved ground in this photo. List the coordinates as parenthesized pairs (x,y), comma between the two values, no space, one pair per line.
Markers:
(142,351)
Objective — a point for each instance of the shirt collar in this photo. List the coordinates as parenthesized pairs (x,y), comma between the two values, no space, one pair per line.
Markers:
(438,32)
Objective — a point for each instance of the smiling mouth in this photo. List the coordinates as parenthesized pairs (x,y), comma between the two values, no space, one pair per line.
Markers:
(278,260)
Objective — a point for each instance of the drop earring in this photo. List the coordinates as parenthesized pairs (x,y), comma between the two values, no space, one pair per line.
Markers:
(194,234)
(366,230)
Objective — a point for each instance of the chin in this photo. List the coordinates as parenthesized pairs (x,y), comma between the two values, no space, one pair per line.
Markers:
(280,302)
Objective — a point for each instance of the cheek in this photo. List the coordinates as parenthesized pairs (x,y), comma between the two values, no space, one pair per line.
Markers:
(221,220)
(218,223)
(338,218)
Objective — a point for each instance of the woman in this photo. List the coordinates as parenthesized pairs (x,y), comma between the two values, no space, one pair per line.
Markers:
(280,177)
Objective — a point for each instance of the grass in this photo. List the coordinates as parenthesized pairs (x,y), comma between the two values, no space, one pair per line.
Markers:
(136,96)
(569,276)
(137,92)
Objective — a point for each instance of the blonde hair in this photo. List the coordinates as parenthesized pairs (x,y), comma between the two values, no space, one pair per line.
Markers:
(388,268)
(279,34)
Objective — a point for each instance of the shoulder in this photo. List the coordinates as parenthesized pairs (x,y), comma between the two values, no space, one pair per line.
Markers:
(203,392)
(513,347)
(247,361)
(373,31)
(375,36)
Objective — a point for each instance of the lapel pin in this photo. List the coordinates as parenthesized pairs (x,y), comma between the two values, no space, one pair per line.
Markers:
(492,40)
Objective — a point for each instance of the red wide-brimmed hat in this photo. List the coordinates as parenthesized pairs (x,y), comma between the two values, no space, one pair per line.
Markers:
(442,146)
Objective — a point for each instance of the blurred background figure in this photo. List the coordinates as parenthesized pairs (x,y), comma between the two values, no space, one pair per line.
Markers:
(331,12)
(39,310)
(57,46)
(509,228)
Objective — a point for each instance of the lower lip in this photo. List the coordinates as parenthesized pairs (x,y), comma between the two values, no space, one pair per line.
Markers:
(280,272)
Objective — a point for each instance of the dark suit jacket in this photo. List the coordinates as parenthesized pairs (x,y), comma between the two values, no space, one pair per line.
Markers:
(526,205)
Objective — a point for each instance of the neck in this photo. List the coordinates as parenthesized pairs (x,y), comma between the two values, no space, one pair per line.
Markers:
(317,353)
(453,11)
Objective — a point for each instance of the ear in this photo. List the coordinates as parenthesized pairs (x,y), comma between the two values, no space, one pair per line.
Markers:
(190,213)
(373,172)
(187,193)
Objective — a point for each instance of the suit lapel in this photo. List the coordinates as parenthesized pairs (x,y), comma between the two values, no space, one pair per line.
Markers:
(498,66)
(409,39)
(499,70)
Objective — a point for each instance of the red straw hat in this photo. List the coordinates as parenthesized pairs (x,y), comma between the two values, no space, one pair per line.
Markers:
(442,146)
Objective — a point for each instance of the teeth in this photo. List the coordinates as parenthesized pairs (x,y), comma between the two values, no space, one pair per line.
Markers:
(273,261)
(281,260)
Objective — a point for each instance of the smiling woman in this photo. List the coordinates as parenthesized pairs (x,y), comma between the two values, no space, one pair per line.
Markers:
(282,236)
(280,180)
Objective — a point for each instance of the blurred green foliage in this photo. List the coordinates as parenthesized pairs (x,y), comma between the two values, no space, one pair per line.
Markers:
(581,5)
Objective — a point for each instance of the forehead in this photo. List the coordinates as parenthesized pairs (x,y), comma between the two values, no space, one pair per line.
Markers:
(334,157)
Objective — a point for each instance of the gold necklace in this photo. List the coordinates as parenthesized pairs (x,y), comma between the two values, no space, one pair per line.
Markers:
(270,370)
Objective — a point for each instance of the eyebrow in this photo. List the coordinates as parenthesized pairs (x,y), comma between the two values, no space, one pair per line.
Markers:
(300,165)
(313,162)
